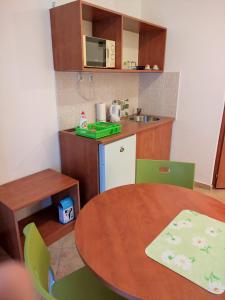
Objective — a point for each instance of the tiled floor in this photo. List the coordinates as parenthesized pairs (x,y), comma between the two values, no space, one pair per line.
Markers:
(65,258)
(218,194)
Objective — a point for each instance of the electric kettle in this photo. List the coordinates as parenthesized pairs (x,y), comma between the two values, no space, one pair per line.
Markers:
(114,112)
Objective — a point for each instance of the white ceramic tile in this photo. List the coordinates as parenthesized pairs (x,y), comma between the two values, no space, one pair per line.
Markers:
(171,79)
(158,93)
(74,96)
(155,93)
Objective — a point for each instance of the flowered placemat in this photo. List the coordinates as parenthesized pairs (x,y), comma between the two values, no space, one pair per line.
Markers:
(193,245)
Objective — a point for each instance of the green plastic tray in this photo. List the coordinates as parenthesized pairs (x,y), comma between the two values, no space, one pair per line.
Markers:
(98,130)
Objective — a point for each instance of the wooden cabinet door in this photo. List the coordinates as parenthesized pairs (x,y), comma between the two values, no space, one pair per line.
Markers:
(79,159)
(219,171)
(154,143)
(220,182)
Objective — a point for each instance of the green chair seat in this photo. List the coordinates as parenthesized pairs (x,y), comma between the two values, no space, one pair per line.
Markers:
(80,285)
(165,171)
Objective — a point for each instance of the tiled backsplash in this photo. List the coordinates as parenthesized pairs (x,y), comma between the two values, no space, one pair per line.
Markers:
(75,95)
(156,93)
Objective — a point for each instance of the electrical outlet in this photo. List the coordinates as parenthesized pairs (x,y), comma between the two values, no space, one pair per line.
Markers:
(90,77)
(80,77)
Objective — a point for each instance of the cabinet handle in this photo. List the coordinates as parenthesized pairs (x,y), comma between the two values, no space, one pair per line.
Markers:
(122,149)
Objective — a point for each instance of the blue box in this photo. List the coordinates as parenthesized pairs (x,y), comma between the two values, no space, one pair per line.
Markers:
(66,210)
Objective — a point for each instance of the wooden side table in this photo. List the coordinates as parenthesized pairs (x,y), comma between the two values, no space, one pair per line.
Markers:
(28,191)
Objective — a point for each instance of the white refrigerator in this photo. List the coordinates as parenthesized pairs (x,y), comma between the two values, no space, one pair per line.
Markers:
(117,163)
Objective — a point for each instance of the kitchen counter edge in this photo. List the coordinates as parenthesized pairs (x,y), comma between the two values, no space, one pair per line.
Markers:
(128,128)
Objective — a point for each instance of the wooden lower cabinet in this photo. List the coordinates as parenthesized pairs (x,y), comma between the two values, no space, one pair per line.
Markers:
(154,143)
(79,155)
(79,159)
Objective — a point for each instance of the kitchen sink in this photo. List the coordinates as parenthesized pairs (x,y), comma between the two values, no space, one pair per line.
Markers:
(144,118)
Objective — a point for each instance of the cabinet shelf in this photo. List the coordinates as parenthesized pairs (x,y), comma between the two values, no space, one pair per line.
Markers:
(67,26)
(48,225)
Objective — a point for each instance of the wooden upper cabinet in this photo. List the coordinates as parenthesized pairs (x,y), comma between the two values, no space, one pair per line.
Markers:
(151,41)
(103,24)
(135,39)
(66,28)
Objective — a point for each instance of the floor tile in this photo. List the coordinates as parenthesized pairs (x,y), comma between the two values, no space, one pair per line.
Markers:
(69,261)
(218,194)
(55,258)
(68,240)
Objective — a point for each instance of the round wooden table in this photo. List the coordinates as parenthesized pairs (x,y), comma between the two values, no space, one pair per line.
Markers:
(114,228)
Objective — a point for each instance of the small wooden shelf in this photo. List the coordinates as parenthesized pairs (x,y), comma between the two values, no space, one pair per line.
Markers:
(26,192)
(99,70)
(67,26)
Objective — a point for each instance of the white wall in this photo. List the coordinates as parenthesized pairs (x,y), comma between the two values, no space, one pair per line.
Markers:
(196,47)
(28,118)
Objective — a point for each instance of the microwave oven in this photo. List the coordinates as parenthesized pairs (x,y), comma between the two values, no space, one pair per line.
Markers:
(98,53)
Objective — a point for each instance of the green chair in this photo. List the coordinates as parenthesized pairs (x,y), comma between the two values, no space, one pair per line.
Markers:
(80,285)
(164,171)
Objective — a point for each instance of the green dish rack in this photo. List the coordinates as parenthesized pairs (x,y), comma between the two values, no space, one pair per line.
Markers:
(98,130)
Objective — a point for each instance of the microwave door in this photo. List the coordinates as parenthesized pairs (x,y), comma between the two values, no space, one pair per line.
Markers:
(102,53)
(95,52)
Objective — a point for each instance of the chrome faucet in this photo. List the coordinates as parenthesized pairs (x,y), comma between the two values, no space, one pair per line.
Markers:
(138,111)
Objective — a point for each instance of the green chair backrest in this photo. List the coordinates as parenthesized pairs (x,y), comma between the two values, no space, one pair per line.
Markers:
(164,171)
(37,259)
